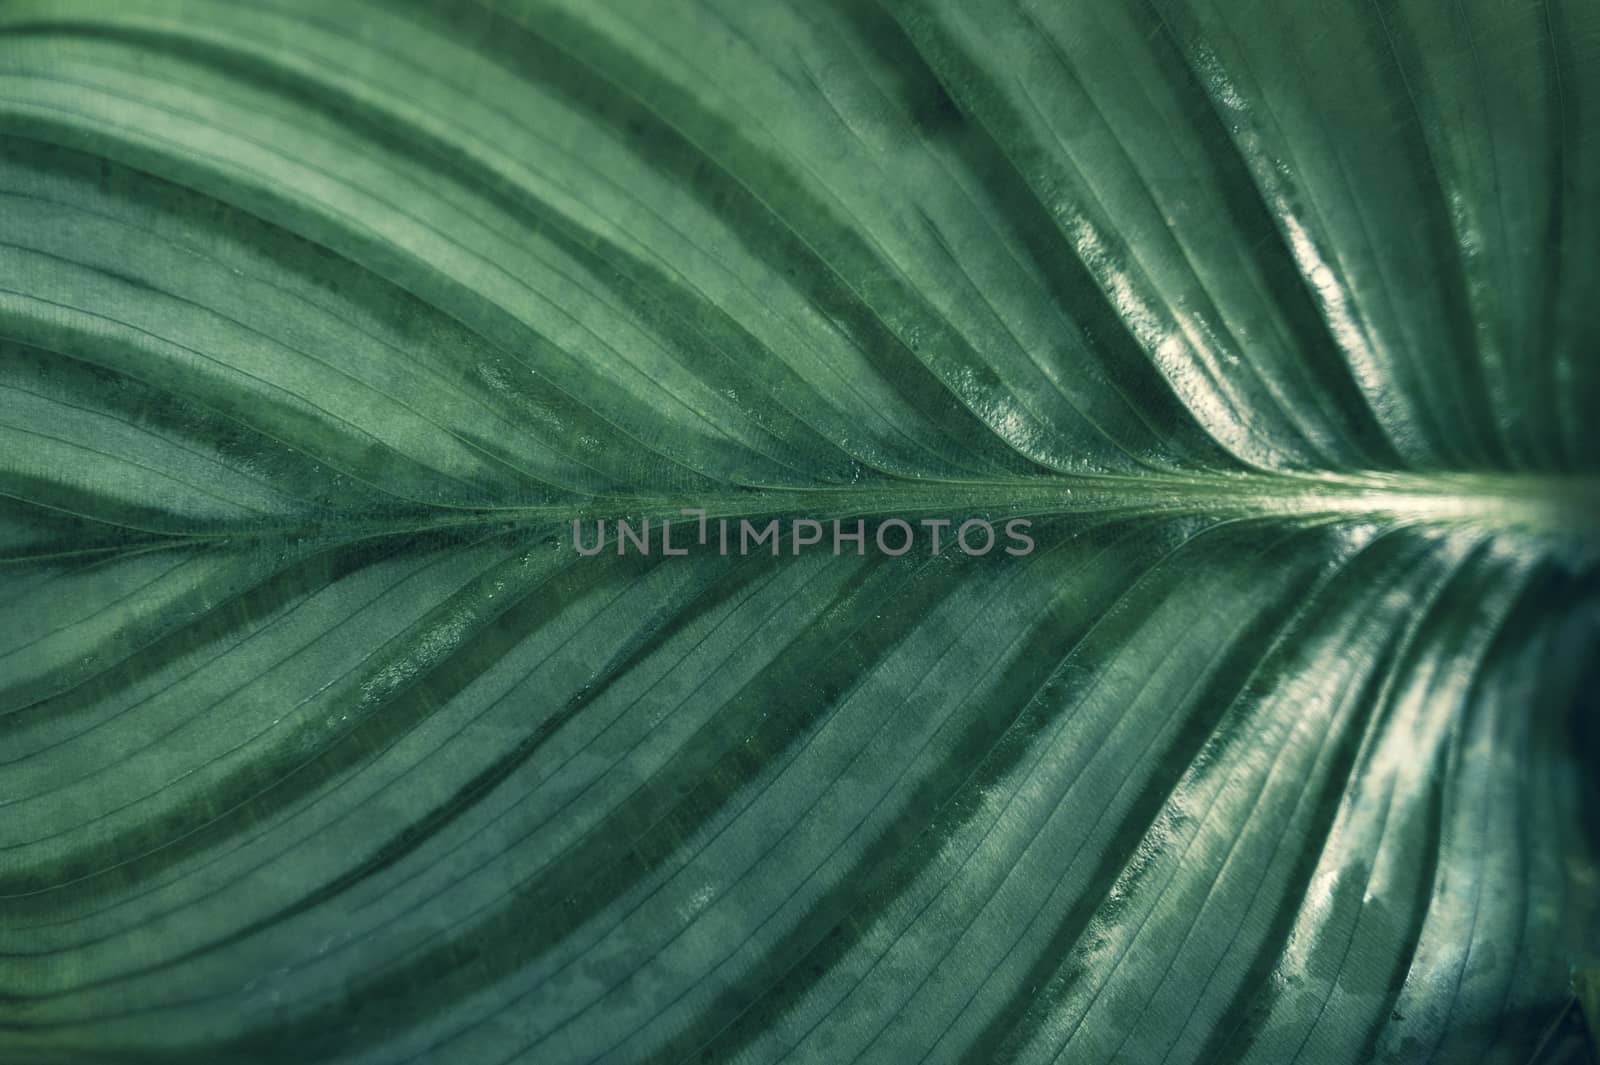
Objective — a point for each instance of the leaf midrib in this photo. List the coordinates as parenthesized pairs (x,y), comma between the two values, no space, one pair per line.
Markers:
(1566,506)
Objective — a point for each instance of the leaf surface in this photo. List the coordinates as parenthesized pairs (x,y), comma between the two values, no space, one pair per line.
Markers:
(321,324)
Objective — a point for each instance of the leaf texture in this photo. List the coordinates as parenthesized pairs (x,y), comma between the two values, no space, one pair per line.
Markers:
(320,324)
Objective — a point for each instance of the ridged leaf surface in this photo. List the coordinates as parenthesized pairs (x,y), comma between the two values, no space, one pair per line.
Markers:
(321,322)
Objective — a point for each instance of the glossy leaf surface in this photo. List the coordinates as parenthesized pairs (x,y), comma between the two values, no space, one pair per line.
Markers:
(320,323)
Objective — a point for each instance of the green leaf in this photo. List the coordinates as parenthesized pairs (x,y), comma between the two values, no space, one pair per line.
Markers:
(321,324)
